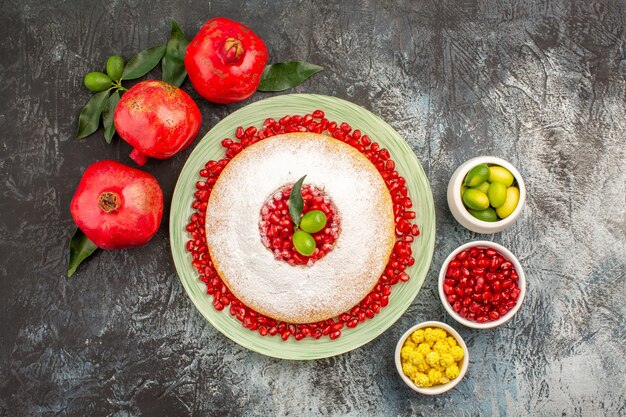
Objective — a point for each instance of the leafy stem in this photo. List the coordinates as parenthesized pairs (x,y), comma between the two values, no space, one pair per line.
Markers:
(118,85)
(108,87)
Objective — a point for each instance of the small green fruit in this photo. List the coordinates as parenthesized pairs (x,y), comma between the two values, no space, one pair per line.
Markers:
(477,175)
(304,243)
(476,200)
(486,215)
(512,198)
(496,194)
(501,175)
(115,67)
(97,81)
(313,221)
(483,188)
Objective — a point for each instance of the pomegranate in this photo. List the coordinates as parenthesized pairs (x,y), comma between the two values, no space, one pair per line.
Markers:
(157,119)
(117,206)
(225,61)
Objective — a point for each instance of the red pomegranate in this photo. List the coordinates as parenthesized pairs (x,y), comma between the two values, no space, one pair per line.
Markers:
(225,61)
(117,206)
(157,119)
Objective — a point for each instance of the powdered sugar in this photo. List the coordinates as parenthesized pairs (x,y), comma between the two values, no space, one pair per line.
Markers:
(336,282)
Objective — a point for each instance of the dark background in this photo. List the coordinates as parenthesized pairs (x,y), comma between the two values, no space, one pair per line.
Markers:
(538,83)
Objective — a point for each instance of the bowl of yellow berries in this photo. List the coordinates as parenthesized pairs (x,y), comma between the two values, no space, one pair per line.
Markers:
(431,358)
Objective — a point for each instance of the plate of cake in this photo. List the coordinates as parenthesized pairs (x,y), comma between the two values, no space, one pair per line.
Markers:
(302,226)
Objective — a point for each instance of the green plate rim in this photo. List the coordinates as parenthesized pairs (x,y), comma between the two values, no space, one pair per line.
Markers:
(407,164)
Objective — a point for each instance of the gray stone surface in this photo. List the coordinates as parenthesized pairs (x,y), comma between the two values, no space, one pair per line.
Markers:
(539,83)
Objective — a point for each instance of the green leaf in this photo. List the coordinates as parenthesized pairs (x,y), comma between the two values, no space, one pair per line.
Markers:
(173,63)
(143,62)
(295,202)
(107,116)
(284,75)
(80,248)
(89,118)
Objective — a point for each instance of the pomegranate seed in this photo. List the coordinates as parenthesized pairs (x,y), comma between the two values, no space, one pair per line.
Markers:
(515,293)
(251,131)
(384,301)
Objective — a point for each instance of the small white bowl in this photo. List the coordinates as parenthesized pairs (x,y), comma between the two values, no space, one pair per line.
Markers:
(521,283)
(459,211)
(438,389)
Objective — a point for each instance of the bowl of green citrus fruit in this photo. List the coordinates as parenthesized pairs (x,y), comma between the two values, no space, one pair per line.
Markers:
(486,194)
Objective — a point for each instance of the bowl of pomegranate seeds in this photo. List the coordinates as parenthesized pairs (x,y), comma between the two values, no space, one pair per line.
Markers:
(482,284)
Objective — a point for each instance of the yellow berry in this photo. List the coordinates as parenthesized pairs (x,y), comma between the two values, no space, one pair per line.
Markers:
(434,376)
(408,368)
(405,352)
(451,341)
(410,342)
(423,366)
(446,360)
(423,348)
(421,380)
(430,336)
(452,371)
(457,353)
(418,336)
(433,359)
(440,334)
(441,347)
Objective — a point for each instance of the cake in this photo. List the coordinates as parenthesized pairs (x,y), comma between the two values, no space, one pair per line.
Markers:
(317,290)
